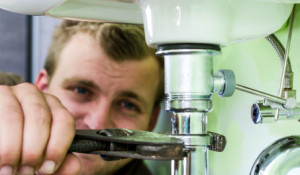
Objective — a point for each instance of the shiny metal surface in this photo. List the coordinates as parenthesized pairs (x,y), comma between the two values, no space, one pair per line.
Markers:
(194,162)
(189,84)
(280,50)
(188,123)
(280,158)
(116,143)
(261,94)
(187,102)
(286,54)
(261,113)
(227,84)
(190,126)
(193,75)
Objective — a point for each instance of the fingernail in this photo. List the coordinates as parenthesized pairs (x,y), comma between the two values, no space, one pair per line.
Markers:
(48,167)
(26,170)
(7,170)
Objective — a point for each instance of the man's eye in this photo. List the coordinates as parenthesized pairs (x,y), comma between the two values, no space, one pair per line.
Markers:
(81,90)
(128,106)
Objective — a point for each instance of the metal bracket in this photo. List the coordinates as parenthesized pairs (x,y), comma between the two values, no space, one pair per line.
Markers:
(214,141)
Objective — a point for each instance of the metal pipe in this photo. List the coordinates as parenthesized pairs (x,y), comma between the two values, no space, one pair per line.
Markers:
(188,126)
(189,85)
(289,75)
(280,158)
(265,114)
(261,94)
(285,58)
(277,45)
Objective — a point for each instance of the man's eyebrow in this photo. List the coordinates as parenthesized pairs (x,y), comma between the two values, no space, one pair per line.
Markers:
(131,94)
(79,81)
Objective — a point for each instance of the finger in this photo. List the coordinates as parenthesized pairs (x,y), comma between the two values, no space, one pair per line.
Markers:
(71,165)
(37,122)
(11,125)
(61,136)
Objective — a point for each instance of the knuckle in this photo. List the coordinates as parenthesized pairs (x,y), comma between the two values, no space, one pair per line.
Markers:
(39,108)
(26,92)
(4,88)
(64,116)
(31,157)
(41,112)
(12,114)
(26,86)
(52,98)
(9,156)
(56,153)
(59,112)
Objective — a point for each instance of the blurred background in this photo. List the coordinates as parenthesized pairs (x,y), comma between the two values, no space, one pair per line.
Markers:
(24,43)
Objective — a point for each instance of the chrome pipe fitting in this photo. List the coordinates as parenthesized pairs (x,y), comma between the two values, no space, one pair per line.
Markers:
(262,113)
(189,85)
(280,158)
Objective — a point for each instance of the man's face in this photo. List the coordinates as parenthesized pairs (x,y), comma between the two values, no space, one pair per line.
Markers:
(101,93)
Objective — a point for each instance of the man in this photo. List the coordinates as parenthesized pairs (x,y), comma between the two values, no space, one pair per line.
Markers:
(101,75)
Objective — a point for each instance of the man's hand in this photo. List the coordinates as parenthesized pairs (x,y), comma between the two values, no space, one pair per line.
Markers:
(36,131)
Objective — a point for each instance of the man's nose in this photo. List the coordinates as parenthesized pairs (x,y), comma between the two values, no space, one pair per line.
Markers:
(99,117)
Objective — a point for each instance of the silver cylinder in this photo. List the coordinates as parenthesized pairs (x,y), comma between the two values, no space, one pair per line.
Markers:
(189,84)
(188,123)
(194,162)
(191,126)
(189,74)
(265,114)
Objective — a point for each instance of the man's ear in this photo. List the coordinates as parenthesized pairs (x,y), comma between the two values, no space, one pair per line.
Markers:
(42,80)
(154,118)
